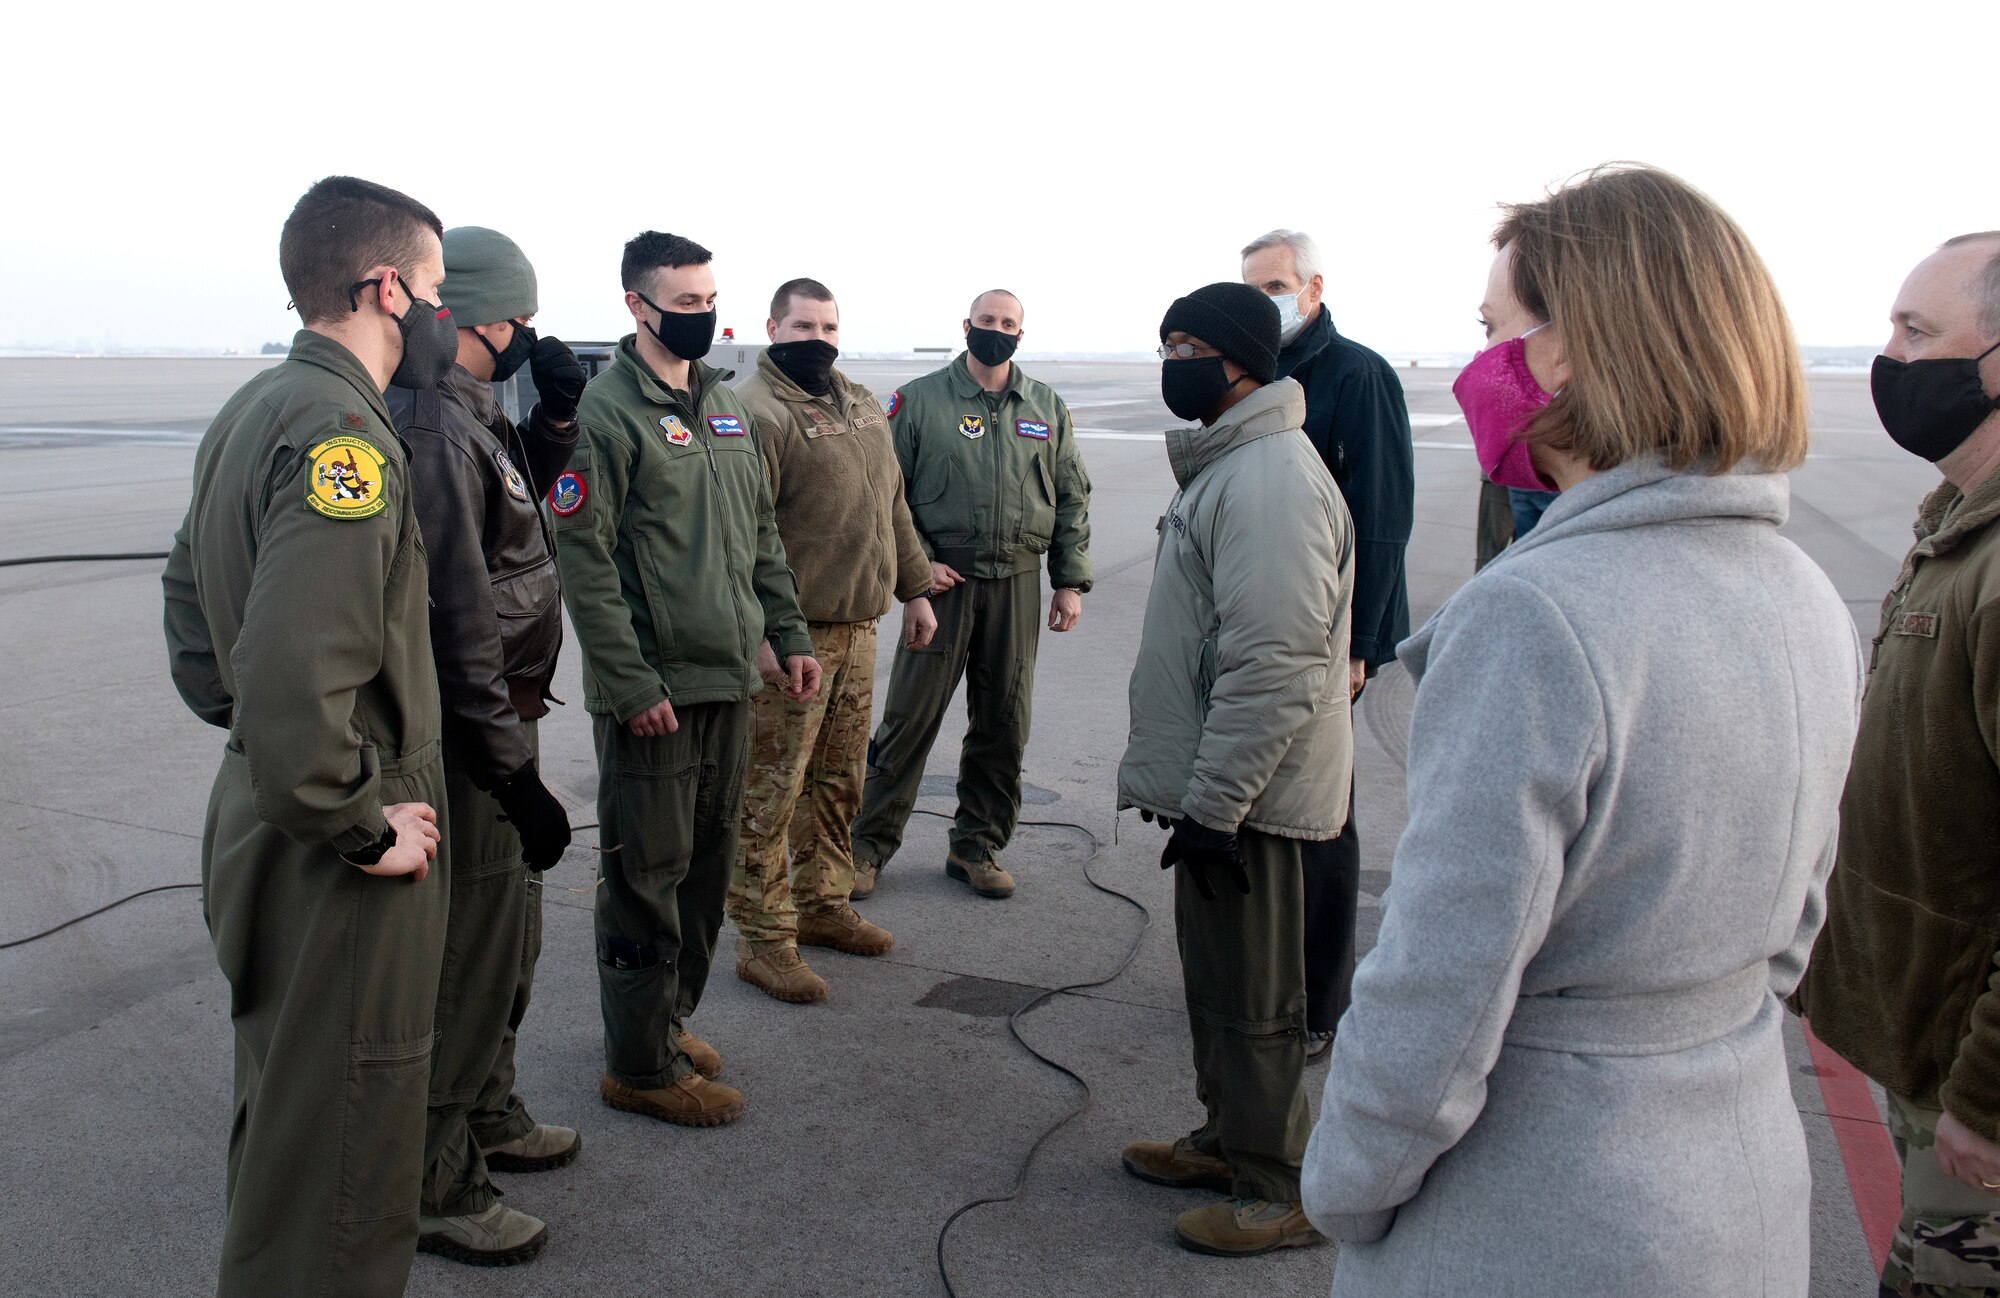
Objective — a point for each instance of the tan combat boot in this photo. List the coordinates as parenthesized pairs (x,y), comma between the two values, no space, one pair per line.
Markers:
(776,969)
(844,930)
(543,1149)
(984,877)
(693,1101)
(864,880)
(707,1060)
(1179,1164)
(1245,1228)
(499,1236)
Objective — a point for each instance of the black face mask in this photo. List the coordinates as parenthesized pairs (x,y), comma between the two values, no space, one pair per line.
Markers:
(990,346)
(686,334)
(430,340)
(508,359)
(1931,407)
(1193,388)
(808,363)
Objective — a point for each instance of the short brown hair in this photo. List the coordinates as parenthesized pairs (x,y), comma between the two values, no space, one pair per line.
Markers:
(1676,340)
(340,228)
(781,301)
(1987,287)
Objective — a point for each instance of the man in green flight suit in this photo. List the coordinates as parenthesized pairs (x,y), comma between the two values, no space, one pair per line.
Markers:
(994,481)
(673,573)
(296,619)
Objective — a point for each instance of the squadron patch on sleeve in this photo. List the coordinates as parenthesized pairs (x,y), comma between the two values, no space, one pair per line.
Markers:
(567,495)
(726,426)
(895,403)
(344,479)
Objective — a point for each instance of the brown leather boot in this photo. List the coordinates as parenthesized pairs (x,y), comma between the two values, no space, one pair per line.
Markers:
(843,929)
(707,1060)
(693,1101)
(864,880)
(1179,1164)
(984,877)
(776,969)
(1245,1228)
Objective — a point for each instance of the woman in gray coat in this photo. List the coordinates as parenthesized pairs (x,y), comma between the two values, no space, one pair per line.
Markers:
(1563,1071)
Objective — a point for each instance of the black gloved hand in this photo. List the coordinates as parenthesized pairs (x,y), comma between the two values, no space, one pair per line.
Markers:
(1166,822)
(1201,849)
(559,378)
(537,817)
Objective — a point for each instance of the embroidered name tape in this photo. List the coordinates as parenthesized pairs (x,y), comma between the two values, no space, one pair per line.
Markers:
(567,495)
(726,426)
(1029,428)
(1923,624)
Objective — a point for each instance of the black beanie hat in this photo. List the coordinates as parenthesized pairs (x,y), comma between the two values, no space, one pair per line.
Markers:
(1236,320)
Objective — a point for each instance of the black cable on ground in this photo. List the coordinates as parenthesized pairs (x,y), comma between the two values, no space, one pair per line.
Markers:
(76,558)
(1014,1027)
(130,896)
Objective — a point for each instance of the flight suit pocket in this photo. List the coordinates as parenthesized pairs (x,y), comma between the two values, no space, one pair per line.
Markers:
(1204,673)
(382,1127)
(942,514)
(1038,513)
(522,600)
(656,609)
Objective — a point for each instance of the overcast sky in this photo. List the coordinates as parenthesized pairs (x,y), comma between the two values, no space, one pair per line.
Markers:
(1099,160)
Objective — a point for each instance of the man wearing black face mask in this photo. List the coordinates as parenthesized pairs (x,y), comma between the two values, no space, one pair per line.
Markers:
(674,575)
(847,532)
(1242,747)
(296,619)
(1901,980)
(994,481)
(496,626)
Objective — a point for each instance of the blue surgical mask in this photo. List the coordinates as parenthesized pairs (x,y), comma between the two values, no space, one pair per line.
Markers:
(1289,319)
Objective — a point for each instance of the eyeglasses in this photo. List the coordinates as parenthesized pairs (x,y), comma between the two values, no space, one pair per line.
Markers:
(1182,351)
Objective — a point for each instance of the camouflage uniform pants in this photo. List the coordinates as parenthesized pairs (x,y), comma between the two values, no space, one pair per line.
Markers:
(796,859)
(1948,1243)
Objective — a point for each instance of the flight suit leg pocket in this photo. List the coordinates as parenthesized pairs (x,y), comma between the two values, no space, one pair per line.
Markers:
(382,1129)
(656,786)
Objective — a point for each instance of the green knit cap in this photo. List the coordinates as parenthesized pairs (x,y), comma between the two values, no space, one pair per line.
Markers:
(487,278)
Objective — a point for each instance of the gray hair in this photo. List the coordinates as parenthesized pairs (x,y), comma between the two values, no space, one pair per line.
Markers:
(1305,253)
(1987,284)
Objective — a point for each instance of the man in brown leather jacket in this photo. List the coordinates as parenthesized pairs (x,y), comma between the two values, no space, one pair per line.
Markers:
(496,626)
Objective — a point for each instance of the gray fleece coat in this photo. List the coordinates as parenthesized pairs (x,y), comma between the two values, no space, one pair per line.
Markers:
(1563,1068)
(1239,694)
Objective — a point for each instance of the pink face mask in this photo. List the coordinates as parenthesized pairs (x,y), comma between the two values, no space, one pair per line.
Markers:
(1499,396)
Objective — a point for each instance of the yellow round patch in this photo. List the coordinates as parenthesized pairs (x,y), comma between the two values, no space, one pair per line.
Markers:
(345,480)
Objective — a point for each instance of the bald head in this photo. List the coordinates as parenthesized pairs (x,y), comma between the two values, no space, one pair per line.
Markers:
(996,308)
(1950,304)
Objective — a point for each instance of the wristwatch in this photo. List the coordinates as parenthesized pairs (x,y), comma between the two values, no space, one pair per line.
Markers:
(375,851)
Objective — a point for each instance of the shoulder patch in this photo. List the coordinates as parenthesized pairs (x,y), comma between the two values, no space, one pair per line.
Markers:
(895,402)
(1030,428)
(726,426)
(344,479)
(567,494)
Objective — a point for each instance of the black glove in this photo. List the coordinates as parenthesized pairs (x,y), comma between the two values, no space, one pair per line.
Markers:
(559,378)
(1166,822)
(1202,849)
(537,817)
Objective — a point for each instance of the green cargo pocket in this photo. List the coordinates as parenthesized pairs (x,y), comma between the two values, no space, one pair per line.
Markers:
(1038,515)
(382,1129)
(1957,1253)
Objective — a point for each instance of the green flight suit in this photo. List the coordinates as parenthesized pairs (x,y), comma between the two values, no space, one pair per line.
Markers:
(673,572)
(994,482)
(296,618)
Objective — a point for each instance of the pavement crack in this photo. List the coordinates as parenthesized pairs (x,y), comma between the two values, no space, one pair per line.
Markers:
(104,820)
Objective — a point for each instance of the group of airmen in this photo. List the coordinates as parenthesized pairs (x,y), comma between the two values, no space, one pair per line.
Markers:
(367,595)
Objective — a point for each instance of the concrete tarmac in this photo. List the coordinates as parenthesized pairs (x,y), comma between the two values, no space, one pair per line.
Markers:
(872,1115)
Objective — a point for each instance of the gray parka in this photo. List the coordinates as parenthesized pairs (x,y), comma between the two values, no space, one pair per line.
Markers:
(1239,695)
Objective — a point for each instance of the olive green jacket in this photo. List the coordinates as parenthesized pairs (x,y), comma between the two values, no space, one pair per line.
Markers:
(1902,980)
(994,481)
(297,616)
(839,495)
(671,564)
